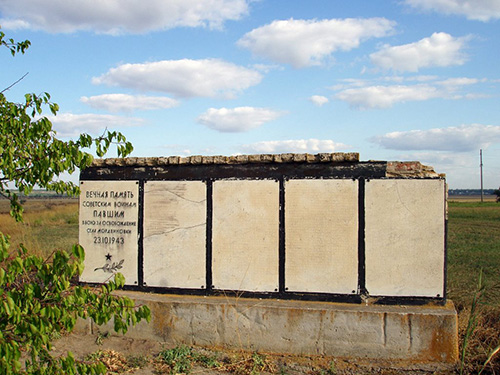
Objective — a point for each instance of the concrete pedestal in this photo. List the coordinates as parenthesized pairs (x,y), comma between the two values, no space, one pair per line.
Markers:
(414,334)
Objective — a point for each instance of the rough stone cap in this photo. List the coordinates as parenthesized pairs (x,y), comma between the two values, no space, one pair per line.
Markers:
(337,157)
(394,169)
(411,169)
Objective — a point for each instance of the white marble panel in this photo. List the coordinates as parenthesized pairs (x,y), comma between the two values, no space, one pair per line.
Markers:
(175,234)
(108,229)
(321,231)
(245,235)
(405,237)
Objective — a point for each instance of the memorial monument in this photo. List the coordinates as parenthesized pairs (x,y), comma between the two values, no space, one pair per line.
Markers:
(363,242)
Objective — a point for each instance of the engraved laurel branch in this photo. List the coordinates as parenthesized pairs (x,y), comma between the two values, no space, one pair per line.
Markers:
(111,268)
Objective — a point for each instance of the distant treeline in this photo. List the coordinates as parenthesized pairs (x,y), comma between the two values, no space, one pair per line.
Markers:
(470,191)
(52,194)
(43,194)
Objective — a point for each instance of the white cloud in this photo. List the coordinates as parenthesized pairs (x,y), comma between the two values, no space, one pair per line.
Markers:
(421,78)
(460,81)
(318,100)
(177,149)
(297,146)
(440,49)
(71,125)
(13,24)
(349,83)
(456,165)
(119,16)
(266,68)
(128,103)
(302,43)
(238,119)
(443,159)
(386,96)
(370,95)
(459,139)
(479,10)
(183,78)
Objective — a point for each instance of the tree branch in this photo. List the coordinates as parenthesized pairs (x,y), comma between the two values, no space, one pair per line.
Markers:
(15,83)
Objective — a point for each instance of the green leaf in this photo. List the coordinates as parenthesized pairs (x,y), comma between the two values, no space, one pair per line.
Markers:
(79,253)
(119,280)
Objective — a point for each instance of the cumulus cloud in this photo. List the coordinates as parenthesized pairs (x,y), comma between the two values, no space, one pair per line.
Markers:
(453,164)
(372,95)
(386,96)
(128,103)
(440,49)
(479,10)
(71,125)
(183,78)
(443,159)
(318,100)
(302,43)
(296,145)
(238,119)
(459,139)
(118,16)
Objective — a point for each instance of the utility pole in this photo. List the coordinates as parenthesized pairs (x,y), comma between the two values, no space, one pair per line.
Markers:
(481,168)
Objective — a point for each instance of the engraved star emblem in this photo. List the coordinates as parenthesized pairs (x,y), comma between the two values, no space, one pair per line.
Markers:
(108,256)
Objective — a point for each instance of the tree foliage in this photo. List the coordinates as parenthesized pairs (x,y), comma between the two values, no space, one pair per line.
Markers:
(40,298)
(497,193)
(32,155)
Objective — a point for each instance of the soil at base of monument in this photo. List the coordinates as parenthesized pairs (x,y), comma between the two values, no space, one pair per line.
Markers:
(141,357)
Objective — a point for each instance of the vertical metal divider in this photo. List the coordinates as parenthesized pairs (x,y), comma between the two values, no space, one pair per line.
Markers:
(361,238)
(208,265)
(140,245)
(282,249)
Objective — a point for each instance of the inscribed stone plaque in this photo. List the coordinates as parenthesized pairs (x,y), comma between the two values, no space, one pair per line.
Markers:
(405,234)
(245,235)
(321,234)
(175,234)
(109,229)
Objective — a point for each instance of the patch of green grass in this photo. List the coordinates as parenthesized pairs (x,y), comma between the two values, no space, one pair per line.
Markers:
(208,361)
(473,245)
(474,253)
(258,363)
(177,360)
(137,361)
(181,359)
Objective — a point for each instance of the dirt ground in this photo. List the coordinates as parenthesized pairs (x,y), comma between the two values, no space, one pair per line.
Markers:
(120,354)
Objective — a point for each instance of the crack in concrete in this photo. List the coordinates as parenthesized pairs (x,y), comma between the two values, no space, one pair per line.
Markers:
(184,198)
(175,230)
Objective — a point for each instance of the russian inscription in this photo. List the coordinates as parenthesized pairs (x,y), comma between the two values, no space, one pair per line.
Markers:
(109,229)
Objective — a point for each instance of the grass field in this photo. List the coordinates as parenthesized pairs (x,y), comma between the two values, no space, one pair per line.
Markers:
(473,247)
(49,224)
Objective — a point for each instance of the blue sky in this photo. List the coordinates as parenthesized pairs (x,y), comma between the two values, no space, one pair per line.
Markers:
(390,79)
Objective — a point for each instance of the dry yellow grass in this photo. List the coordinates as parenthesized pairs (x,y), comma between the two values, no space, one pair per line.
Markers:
(471,198)
(49,224)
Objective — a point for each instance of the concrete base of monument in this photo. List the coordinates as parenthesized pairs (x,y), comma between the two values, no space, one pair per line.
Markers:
(406,334)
